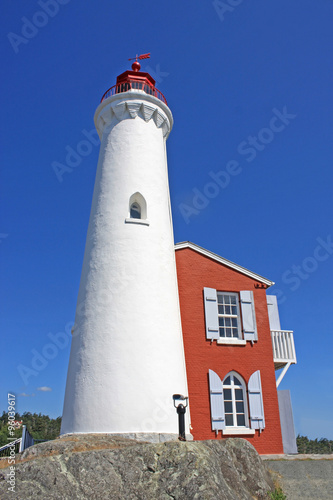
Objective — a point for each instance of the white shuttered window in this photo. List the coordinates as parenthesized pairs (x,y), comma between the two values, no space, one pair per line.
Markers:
(228,318)
(229,403)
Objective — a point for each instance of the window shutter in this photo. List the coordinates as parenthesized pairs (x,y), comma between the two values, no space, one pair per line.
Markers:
(216,401)
(248,315)
(273,313)
(211,314)
(255,401)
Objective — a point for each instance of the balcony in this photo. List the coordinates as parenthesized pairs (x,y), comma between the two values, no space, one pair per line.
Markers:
(283,348)
(283,351)
(126,86)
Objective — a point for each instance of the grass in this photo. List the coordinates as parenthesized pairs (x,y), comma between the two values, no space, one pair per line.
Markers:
(277,494)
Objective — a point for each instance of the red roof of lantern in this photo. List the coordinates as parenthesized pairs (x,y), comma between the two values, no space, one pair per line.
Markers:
(135,80)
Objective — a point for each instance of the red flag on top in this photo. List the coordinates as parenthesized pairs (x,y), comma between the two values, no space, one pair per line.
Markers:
(143,56)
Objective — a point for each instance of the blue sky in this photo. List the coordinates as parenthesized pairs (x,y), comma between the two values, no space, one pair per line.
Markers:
(226,72)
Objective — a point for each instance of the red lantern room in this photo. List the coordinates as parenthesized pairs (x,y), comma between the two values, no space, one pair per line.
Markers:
(136,80)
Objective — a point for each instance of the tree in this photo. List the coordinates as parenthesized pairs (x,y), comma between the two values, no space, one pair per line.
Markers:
(318,446)
(40,426)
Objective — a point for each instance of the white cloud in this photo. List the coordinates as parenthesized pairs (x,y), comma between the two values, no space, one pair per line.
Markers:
(23,394)
(44,389)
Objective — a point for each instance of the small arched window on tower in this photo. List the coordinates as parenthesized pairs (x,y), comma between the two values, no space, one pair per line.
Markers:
(137,210)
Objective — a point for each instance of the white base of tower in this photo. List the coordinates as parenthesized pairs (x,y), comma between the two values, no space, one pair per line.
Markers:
(148,437)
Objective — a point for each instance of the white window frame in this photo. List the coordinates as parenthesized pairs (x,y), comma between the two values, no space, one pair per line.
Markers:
(236,429)
(230,340)
(247,325)
(137,198)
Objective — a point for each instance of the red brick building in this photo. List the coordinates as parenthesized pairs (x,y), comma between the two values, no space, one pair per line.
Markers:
(233,345)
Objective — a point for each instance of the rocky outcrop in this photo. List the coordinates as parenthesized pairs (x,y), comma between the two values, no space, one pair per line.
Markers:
(106,467)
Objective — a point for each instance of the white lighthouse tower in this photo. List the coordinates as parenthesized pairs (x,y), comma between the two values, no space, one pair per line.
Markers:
(127,356)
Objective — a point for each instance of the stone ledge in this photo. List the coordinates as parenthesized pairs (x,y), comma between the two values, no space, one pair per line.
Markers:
(298,456)
(146,437)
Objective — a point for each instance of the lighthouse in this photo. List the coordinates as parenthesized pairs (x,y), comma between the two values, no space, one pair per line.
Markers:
(127,356)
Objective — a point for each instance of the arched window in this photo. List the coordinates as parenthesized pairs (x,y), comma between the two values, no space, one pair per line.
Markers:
(137,206)
(234,399)
(135,211)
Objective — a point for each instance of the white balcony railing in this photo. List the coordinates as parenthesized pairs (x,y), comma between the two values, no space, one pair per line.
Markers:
(283,347)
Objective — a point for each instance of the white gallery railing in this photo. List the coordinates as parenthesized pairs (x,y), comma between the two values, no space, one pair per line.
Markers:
(283,346)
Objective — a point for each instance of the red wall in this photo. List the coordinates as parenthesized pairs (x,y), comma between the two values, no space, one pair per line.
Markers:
(196,271)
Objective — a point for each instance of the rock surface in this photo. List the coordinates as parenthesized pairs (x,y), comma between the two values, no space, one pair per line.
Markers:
(105,467)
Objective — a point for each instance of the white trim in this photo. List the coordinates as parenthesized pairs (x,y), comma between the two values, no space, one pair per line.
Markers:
(221,260)
(235,431)
(229,340)
(230,315)
(144,222)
